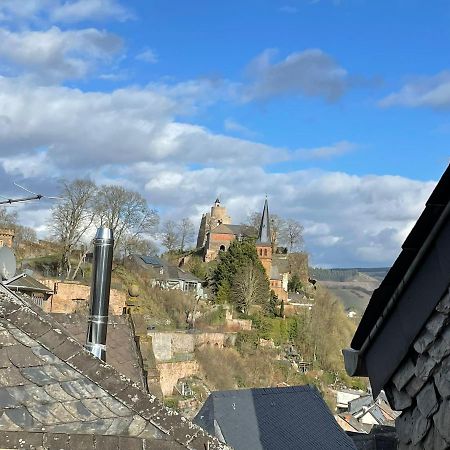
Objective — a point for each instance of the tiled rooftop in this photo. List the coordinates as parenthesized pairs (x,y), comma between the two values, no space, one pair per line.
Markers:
(51,386)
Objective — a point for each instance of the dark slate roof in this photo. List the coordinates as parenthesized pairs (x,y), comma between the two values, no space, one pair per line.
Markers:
(120,344)
(272,419)
(264,235)
(51,387)
(169,272)
(282,262)
(434,209)
(410,291)
(152,260)
(380,438)
(26,283)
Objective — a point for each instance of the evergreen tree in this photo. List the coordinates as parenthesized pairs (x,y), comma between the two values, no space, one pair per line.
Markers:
(231,280)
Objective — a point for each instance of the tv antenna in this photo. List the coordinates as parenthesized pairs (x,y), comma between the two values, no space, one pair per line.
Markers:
(34,196)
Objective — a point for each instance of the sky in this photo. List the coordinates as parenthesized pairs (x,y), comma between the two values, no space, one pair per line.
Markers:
(337,110)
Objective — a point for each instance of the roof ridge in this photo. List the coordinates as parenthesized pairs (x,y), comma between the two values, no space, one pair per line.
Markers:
(50,334)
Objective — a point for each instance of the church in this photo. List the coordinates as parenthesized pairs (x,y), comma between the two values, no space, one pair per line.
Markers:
(216,233)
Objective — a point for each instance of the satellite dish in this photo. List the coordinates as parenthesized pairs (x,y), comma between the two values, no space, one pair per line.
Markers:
(7,263)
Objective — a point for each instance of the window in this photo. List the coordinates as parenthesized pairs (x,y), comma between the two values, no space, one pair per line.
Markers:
(222,248)
(265,252)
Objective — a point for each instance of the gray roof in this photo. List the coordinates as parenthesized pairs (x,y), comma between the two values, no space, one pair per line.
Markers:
(52,388)
(170,272)
(272,419)
(265,236)
(26,283)
(120,344)
(243,230)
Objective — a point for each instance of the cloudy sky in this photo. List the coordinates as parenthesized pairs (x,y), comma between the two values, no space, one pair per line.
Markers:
(338,110)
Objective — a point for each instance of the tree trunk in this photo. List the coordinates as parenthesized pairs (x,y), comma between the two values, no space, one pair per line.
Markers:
(82,256)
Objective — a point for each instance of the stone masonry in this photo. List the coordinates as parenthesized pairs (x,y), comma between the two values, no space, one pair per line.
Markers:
(72,297)
(421,386)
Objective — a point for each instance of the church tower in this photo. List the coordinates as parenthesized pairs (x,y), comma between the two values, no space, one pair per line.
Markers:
(264,242)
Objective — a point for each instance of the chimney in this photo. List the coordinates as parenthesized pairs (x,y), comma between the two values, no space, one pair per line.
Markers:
(99,298)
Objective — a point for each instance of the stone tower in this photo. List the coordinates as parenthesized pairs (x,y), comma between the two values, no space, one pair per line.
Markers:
(6,238)
(264,242)
(218,215)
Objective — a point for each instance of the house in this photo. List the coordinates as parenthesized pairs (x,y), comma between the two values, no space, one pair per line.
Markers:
(39,293)
(55,395)
(403,340)
(345,396)
(285,418)
(168,276)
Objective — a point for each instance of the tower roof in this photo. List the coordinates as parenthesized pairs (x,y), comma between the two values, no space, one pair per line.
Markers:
(264,236)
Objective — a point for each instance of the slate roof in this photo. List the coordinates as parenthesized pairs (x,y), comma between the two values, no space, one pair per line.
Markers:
(265,235)
(244,230)
(52,388)
(421,271)
(121,348)
(380,438)
(169,271)
(429,218)
(272,419)
(26,283)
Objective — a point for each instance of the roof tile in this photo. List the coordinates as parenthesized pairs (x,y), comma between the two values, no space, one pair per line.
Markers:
(22,356)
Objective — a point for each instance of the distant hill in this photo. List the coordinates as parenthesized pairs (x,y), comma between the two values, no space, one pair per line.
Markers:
(352,286)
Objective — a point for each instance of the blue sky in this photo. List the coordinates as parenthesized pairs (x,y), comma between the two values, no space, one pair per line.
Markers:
(335,109)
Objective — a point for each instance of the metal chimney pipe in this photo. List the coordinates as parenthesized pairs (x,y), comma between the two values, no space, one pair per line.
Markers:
(100,288)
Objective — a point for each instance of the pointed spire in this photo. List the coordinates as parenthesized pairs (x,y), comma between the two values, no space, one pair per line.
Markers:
(264,236)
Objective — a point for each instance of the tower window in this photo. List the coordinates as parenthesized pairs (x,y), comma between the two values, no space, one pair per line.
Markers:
(265,252)
(222,248)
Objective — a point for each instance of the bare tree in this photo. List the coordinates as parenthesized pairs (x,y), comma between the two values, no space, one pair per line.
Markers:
(8,218)
(294,234)
(126,212)
(24,234)
(185,232)
(138,245)
(72,217)
(169,235)
(249,287)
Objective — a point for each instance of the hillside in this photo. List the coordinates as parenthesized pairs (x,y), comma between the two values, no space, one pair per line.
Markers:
(352,286)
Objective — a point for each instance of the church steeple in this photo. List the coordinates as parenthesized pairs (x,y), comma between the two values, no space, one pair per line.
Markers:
(264,236)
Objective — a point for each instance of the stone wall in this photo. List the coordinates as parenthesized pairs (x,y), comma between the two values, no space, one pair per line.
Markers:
(171,372)
(71,297)
(169,345)
(421,386)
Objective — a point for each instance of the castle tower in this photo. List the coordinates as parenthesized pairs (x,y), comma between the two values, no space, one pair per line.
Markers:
(6,238)
(219,214)
(264,242)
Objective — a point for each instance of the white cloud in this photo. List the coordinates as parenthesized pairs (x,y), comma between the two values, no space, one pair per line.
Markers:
(148,56)
(125,126)
(131,137)
(233,126)
(311,73)
(28,165)
(81,10)
(429,92)
(55,55)
(327,152)
(62,11)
